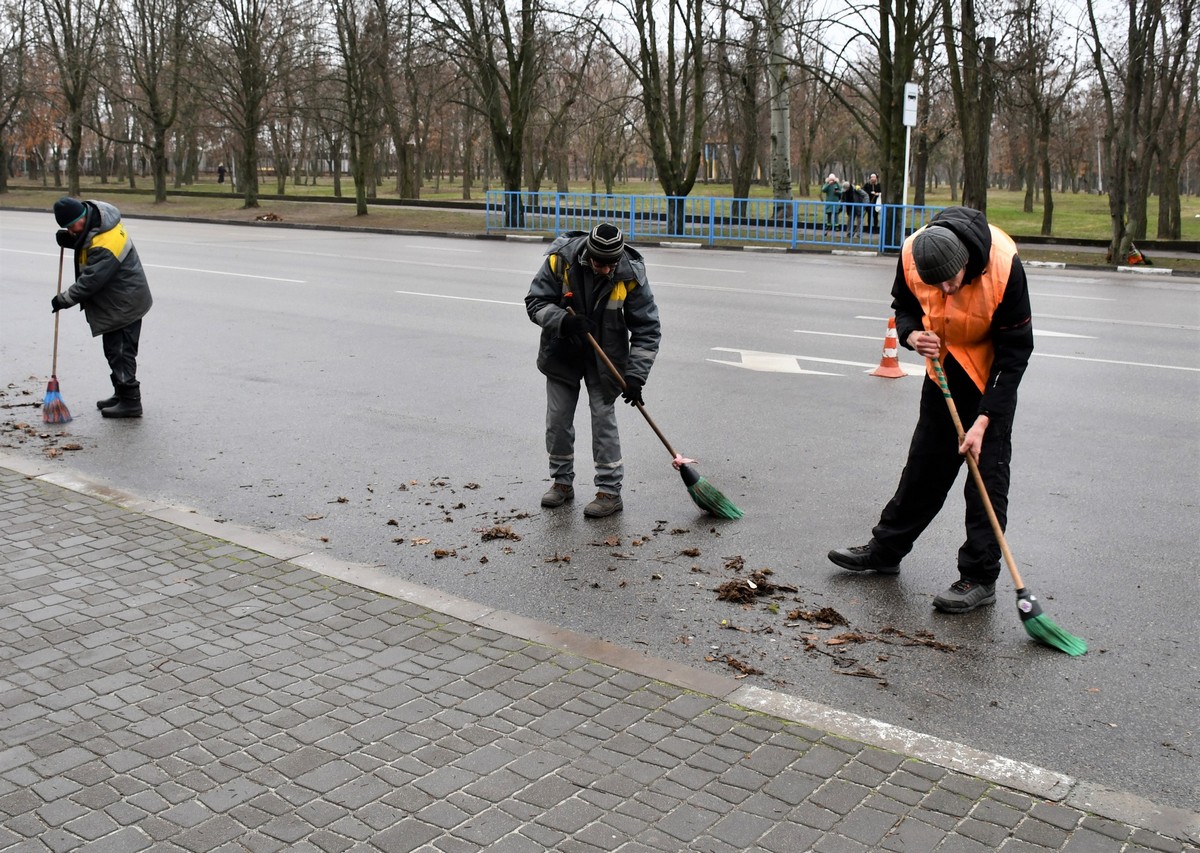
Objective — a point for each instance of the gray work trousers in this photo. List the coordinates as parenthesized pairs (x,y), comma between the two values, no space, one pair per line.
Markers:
(561,400)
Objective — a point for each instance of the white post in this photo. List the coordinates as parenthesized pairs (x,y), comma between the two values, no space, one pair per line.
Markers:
(910,119)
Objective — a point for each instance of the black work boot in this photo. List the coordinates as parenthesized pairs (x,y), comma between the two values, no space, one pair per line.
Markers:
(110,401)
(129,403)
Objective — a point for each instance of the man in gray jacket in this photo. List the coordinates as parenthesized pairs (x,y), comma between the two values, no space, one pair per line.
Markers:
(604,283)
(111,288)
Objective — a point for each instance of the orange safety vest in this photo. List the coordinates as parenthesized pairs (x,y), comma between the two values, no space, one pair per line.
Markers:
(963,322)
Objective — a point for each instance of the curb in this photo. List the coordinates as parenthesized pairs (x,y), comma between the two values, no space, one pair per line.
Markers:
(1038,782)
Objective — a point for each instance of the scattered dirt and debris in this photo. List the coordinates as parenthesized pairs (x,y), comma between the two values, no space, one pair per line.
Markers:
(847,637)
(744,590)
(920,638)
(268,217)
(826,617)
(499,532)
(733,663)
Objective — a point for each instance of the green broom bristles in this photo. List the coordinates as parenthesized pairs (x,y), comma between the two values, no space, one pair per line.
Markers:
(707,496)
(54,410)
(1042,628)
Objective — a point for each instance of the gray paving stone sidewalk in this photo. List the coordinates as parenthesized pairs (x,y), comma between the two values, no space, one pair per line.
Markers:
(162,688)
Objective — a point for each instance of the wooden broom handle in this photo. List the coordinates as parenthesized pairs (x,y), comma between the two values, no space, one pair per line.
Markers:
(608,362)
(54,361)
(974,466)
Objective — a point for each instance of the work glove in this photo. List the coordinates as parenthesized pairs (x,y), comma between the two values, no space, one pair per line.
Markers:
(573,324)
(58,302)
(633,391)
(65,238)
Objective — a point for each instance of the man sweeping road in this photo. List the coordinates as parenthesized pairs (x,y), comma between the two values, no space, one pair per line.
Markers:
(603,282)
(111,287)
(960,294)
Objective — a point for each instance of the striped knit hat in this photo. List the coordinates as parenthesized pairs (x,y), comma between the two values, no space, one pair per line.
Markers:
(605,243)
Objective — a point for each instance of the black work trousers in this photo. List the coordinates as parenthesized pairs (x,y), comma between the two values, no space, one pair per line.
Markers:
(121,349)
(932,466)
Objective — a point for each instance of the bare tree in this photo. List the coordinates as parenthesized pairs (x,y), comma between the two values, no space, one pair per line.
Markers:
(1041,71)
(502,55)
(1178,66)
(670,70)
(250,40)
(73,31)
(609,109)
(153,40)
(741,70)
(867,74)
(15,48)
(781,113)
(1123,71)
(972,70)
(359,49)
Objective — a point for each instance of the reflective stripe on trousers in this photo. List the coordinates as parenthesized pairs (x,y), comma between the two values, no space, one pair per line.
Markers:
(562,398)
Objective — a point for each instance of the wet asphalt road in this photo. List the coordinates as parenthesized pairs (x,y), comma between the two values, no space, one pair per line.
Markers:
(375,396)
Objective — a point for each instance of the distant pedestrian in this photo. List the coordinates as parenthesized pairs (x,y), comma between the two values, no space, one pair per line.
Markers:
(831,191)
(875,199)
(854,199)
(960,294)
(221,174)
(111,287)
(604,282)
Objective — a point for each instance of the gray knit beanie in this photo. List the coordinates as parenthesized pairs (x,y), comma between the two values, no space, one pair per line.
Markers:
(938,253)
(605,243)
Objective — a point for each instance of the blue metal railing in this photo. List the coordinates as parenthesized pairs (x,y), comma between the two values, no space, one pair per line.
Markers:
(710,219)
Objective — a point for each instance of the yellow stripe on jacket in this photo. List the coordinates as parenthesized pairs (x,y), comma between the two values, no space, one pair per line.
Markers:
(115,240)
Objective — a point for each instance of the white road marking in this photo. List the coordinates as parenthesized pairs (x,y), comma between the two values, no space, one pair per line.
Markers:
(1069,296)
(777,362)
(767,362)
(660,265)
(222,272)
(459,298)
(1113,361)
(1043,333)
(837,335)
(1036,331)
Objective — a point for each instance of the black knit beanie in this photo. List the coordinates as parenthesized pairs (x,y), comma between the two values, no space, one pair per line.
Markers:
(68,211)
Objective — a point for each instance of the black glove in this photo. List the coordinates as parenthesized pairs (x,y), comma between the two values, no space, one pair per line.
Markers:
(58,302)
(573,324)
(633,391)
(65,238)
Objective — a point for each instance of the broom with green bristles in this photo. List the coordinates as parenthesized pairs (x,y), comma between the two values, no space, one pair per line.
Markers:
(705,495)
(1037,624)
(54,410)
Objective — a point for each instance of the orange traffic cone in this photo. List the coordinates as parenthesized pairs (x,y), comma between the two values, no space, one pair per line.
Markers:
(889,365)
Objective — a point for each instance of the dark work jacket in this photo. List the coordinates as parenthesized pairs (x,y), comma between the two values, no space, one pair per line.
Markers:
(622,307)
(110,284)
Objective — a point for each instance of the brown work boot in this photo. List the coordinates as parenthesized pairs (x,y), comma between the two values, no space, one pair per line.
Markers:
(558,495)
(604,505)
